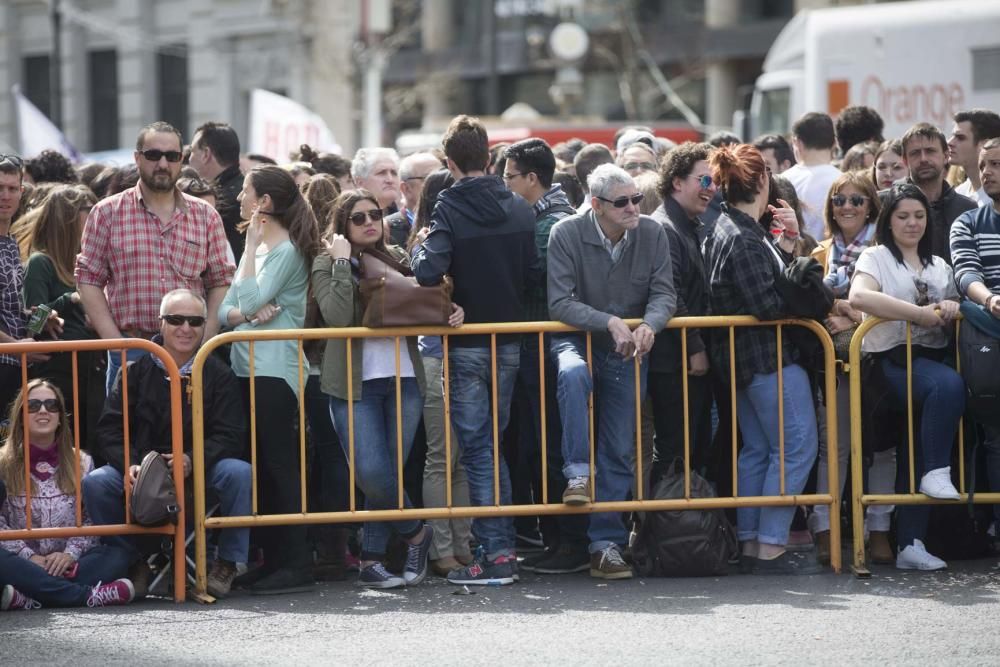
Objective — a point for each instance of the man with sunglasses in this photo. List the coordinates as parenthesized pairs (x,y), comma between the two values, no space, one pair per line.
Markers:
(605,266)
(687,189)
(13,319)
(146,241)
(183,317)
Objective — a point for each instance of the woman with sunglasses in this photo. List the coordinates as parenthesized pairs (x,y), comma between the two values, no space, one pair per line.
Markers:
(269,292)
(55,229)
(900,280)
(744,263)
(52,572)
(850,213)
(357,227)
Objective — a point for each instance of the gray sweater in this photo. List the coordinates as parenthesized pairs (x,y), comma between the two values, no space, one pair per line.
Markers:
(586,290)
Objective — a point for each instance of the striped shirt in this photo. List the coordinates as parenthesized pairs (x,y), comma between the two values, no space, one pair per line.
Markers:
(137,258)
(12,318)
(975,249)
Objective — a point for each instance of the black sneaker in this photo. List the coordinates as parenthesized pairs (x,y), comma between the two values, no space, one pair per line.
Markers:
(376,576)
(252,576)
(568,558)
(484,572)
(284,580)
(416,558)
(528,563)
(788,563)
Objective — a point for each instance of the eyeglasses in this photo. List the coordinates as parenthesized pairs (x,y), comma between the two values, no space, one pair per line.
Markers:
(705,181)
(358,218)
(856,200)
(154,155)
(639,166)
(415,178)
(511,177)
(922,298)
(15,160)
(177,320)
(50,405)
(622,202)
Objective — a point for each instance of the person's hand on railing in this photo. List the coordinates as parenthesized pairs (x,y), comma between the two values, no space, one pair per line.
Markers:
(698,363)
(947,310)
(338,247)
(622,336)
(34,357)
(457,317)
(643,338)
(929,317)
(837,323)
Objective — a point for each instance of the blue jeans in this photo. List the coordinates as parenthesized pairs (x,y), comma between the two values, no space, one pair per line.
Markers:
(102,564)
(937,385)
(103,495)
(115,364)
(375,453)
(613,382)
(470,389)
(758,469)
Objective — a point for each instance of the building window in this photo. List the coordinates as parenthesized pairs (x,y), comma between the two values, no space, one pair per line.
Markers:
(172,75)
(36,83)
(103,77)
(986,69)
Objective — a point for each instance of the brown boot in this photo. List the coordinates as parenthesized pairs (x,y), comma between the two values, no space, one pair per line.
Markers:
(823,547)
(881,550)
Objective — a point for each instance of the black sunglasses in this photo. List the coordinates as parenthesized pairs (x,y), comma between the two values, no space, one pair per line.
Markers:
(358,218)
(50,405)
(923,298)
(15,160)
(622,202)
(177,320)
(856,200)
(154,155)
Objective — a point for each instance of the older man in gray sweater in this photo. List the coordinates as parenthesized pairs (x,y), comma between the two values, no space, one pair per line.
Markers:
(605,266)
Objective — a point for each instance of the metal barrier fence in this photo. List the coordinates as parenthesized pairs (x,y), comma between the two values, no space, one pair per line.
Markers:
(202,523)
(128,528)
(860,499)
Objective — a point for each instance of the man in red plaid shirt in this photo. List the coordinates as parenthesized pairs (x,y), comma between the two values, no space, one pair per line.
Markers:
(147,241)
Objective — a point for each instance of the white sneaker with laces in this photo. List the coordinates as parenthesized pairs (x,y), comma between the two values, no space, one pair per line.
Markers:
(937,484)
(915,557)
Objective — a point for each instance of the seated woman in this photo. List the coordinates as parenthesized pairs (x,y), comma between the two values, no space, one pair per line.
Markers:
(899,279)
(54,572)
(356,227)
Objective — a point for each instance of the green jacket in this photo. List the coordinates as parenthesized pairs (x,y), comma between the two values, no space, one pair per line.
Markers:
(340,304)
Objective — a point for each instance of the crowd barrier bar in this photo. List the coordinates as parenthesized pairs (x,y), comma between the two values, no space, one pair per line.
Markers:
(74,347)
(203,523)
(860,499)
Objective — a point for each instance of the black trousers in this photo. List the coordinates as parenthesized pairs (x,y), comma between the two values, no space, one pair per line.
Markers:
(278,482)
(666,390)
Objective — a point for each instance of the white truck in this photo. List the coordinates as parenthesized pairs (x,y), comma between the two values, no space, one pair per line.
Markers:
(910,61)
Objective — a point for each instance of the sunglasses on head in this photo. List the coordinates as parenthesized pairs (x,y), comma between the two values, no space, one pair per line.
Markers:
(358,218)
(856,200)
(15,160)
(36,404)
(921,286)
(177,320)
(622,202)
(154,155)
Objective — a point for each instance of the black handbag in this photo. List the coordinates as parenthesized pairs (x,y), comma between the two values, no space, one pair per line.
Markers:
(154,496)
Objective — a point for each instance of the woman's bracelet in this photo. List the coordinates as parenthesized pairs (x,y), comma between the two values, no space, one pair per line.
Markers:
(986,304)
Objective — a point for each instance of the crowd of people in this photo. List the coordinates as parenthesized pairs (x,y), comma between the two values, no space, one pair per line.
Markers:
(197,239)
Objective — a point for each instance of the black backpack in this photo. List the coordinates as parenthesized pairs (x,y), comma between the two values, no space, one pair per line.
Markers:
(683,543)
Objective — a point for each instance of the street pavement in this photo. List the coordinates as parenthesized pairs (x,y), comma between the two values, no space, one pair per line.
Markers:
(895,617)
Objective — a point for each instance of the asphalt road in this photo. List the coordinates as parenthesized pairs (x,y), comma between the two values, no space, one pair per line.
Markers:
(949,617)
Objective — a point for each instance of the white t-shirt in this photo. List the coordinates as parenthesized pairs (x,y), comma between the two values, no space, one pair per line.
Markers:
(898,280)
(378,359)
(979,195)
(812,185)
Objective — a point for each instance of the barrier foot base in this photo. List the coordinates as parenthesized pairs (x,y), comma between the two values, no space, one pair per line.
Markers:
(861,572)
(203,598)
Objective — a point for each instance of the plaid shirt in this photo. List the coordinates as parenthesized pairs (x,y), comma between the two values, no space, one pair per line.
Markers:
(130,252)
(12,318)
(741,275)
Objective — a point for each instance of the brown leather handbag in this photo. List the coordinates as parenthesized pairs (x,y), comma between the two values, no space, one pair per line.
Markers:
(392,297)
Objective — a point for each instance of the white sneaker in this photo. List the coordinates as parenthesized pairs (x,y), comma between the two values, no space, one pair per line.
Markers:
(937,484)
(915,557)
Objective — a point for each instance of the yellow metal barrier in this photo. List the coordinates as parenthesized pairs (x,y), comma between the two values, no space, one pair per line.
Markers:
(545,507)
(859,499)
(128,528)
